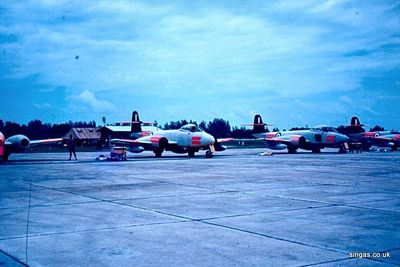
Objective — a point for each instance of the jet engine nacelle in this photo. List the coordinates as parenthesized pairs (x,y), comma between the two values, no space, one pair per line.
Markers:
(302,143)
(179,149)
(19,143)
(163,143)
(135,135)
(219,147)
(136,149)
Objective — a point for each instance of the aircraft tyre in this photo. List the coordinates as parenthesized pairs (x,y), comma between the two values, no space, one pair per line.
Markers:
(4,158)
(191,153)
(365,147)
(163,143)
(158,153)
(209,154)
(292,150)
(394,148)
(316,150)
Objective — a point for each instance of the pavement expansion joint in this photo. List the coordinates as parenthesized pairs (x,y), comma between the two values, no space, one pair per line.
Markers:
(325,262)
(54,205)
(94,230)
(14,258)
(344,260)
(275,238)
(328,202)
(367,208)
(174,196)
(262,212)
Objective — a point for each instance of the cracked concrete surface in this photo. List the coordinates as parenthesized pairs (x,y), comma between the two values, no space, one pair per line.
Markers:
(233,210)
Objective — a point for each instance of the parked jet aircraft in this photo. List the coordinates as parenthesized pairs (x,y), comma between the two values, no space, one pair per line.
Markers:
(372,138)
(190,139)
(20,143)
(313,139)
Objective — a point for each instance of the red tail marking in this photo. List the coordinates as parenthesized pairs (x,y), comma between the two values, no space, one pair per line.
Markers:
(146,133)
(155,139)
(295,138)
(272,135)
(369,134)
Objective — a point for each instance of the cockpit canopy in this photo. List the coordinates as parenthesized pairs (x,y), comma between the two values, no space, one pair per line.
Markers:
(325,128)
(191,128)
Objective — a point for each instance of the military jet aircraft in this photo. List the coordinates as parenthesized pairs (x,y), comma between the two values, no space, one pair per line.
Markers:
(314,139)
(372,138)
(190,139)
(20,143)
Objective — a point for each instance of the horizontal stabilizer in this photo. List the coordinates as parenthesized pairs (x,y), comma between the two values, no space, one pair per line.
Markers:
(137,122)
(45,141)
(223,140)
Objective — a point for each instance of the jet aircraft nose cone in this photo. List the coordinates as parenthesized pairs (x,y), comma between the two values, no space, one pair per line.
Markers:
(343,138)
(209,139)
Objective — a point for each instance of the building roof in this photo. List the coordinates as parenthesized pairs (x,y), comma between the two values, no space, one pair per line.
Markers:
(118,128)
(83,133)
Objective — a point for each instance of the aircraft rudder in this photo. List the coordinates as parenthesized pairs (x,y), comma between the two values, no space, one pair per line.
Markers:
(259,126)
(135,123)
(355,121)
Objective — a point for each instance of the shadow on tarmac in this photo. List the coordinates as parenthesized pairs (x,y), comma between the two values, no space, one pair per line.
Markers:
(42,161)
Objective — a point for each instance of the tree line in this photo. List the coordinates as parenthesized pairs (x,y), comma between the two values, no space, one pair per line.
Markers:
(218,127)
(36,129)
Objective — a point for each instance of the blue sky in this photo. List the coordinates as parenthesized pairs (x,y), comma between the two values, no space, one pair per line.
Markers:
(295,62)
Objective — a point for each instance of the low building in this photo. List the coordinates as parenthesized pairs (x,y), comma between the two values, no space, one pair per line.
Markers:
(84,136)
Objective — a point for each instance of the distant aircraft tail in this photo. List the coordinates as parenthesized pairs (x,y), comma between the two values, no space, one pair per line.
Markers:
(355,126)
(355,122)
(258,126)
(135,123)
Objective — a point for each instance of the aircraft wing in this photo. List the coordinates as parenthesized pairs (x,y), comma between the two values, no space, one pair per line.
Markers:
(45,141)
(223,140)
(285,139)
(137,142)
(383,138)
(129,142)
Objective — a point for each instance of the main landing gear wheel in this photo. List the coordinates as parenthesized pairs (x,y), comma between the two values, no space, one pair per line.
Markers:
(209,154)
(316,150)
(4,157)
(292,150)
(191,153)
(394,148)
(158,153)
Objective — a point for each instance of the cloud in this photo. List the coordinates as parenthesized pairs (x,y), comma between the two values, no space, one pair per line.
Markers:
(90,100)
(345,99)
(45,106)
(208,50)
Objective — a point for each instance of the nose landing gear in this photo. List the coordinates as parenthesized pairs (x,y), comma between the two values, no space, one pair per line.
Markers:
(210,152)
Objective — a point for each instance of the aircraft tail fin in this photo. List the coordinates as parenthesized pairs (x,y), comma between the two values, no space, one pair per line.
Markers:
(258,126)
(355,122)
(136,123)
